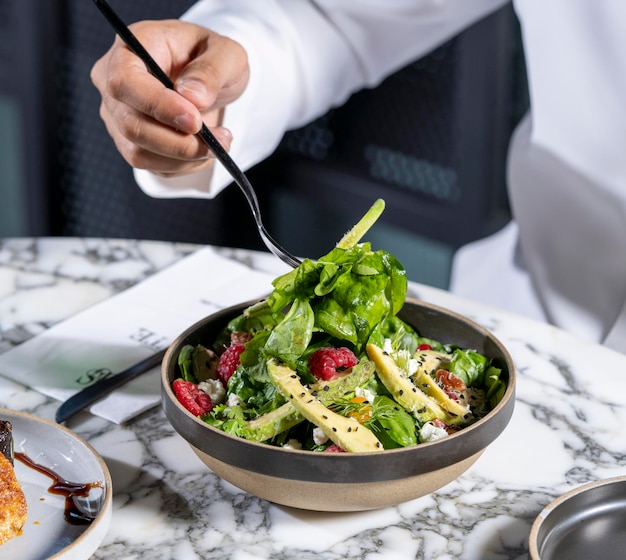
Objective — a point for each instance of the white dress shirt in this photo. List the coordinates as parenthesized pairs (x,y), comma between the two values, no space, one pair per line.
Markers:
(567,160)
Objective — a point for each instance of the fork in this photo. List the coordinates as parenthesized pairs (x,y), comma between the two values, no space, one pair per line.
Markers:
(205,134)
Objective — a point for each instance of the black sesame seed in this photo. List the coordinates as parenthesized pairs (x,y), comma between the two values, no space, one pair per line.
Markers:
(401,392)
(334,429)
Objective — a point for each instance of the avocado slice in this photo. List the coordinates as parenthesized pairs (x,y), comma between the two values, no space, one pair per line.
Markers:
(286,416)
(404,391)
(331,391)
(273,423)
(347,433)
(427,384)
(431,360)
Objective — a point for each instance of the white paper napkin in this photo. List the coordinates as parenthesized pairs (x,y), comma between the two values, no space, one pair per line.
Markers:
(121,331)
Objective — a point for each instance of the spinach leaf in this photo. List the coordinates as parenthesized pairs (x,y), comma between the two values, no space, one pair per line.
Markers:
(469,366)
(255,318)
(495,385)
(185,363)
(392,424)
(401,335)
(344,294)
(292,335)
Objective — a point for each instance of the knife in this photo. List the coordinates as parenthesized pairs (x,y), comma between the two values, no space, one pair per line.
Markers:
(102,388)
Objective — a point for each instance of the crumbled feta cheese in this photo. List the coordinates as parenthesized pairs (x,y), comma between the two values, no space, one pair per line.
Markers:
(293,444)
(405,358)
(233,400)
(319,437)
(214,388)
(413,365)
(365,393)
(430,432)
(387,346)
(404,361)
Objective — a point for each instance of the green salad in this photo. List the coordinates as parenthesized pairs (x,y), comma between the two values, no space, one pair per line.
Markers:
(325,364)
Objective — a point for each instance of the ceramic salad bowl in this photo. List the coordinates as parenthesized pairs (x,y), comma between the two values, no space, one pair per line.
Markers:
(344,481)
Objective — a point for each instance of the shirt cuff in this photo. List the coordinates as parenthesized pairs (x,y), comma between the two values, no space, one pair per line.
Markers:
(194,185)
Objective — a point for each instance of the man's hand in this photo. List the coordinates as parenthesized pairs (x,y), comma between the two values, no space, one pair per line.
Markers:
(154,127)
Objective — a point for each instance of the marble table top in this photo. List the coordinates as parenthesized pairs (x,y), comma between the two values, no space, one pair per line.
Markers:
(566,430)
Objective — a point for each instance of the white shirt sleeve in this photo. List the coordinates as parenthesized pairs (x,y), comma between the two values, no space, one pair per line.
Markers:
(307,56)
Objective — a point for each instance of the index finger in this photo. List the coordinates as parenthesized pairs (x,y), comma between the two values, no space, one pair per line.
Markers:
(126,80)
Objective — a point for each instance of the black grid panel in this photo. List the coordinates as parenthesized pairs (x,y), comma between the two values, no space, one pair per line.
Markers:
(431,139)
(400,133)
(97,195)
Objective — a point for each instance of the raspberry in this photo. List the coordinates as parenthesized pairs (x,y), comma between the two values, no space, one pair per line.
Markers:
(328,363)
(229,361)
(193,399)
(334,448)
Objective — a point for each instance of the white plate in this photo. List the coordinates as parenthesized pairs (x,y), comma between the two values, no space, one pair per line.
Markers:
(47,535)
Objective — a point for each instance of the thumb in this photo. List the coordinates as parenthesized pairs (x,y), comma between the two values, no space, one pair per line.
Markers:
(192,86)
(216,76)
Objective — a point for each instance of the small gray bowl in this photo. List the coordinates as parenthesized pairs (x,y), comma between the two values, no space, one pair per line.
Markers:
(344,481)
(586,523)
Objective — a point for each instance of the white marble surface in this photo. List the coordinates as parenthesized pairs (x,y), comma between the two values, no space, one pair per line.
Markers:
(566,430)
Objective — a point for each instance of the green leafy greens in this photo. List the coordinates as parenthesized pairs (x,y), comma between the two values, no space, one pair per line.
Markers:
(343,296)
(350,298)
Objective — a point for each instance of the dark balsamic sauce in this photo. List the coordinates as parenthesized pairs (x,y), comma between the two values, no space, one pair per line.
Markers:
(74,514)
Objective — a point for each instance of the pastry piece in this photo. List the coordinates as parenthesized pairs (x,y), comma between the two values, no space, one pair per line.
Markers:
(6,440)
(13,508)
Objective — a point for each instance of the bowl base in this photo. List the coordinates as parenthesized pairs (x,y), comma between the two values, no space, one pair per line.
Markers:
(333,497)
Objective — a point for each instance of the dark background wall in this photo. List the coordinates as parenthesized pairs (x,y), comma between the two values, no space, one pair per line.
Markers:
(431,140)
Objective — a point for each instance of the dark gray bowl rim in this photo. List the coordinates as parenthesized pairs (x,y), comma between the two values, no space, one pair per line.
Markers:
(294,464)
